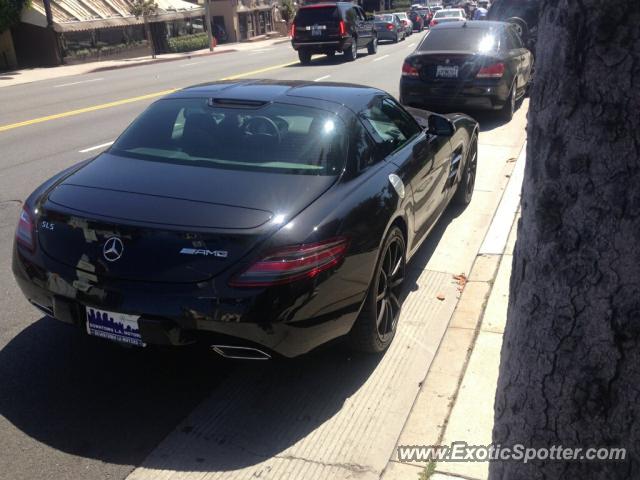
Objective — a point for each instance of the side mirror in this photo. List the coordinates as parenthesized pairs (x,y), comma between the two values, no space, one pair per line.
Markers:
(440,126)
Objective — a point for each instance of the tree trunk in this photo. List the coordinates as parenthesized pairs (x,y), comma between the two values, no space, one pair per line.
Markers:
(147,30)
(570,362)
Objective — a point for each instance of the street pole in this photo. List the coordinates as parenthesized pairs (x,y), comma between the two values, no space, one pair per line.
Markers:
(207,14)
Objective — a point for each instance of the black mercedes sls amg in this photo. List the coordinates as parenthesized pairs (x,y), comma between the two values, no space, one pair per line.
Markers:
(254,217)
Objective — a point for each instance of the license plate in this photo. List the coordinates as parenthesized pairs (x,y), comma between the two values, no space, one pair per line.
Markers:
(118,327)
(447,71)
(316,30)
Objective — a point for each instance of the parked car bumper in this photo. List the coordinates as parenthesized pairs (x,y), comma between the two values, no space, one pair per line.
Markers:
(476,96)
(323,46)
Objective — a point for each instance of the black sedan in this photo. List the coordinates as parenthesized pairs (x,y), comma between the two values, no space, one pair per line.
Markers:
(468,65)
(251,217)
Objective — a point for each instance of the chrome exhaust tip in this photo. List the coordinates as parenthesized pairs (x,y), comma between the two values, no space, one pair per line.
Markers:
(240,353)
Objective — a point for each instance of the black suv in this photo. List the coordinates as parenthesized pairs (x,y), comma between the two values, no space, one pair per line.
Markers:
(332,27)
(523,14)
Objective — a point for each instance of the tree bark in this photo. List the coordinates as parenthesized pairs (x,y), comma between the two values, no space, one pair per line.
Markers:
(570,361)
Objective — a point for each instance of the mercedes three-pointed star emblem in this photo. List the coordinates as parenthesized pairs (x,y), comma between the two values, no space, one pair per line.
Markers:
(112,249)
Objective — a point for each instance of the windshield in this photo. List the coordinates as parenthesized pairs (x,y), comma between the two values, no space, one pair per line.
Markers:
(271,138)
(467,39)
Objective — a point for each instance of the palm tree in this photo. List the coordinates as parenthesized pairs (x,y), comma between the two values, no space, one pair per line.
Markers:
(145,9)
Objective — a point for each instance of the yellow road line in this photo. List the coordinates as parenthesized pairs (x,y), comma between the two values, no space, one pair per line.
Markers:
(11,126)
(70,113)
(261,70)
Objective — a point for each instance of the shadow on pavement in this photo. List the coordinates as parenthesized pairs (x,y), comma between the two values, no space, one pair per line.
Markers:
(94,399)
(97,400)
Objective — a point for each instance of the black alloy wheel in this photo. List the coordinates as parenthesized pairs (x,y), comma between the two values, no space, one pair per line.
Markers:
(376,326)
(464,191)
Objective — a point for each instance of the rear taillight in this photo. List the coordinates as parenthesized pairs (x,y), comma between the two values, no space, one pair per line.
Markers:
(291,264)
(409,70)
(293,30)
(390,26)
(343,28)
(25,233)
(495,70)
(433,23)
(404,22)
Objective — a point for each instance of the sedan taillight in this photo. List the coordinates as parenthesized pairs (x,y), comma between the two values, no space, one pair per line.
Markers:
(390,26)
(409,70)
(26,231)
(495,70)
(293,263)
(433,23)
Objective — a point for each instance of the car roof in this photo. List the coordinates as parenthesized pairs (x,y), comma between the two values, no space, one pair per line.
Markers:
(352,96)
(326,4)
(479,24)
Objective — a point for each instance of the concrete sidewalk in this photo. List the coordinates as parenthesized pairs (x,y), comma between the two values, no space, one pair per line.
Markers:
(456,400)
(29,75)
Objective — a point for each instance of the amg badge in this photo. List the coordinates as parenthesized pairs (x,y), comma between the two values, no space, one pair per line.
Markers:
(204,252)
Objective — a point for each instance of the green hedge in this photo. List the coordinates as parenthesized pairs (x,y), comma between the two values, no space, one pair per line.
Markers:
(188,43)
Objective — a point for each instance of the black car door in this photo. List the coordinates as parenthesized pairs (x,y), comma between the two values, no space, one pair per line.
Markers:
(422,158)
(363,27)
(525,59)
(512,56)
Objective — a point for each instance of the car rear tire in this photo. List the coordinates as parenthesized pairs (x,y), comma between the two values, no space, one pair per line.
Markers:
(464,190)
(372,48)
(378,320)
(304,56)
(509,108)
(352,53)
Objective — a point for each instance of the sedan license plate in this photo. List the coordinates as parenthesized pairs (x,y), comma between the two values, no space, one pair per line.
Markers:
(118,327)
(447,71)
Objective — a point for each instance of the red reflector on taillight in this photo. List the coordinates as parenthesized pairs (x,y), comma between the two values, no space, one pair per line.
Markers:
(409,70)
(492,71)
(292,263)
(343,28)
(390,26)
(25,233)
(293,30)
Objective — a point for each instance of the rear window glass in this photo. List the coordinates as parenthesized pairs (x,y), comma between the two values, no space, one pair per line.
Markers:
(467,39)
(448,13)
(270,138)
(384,18)
(309,16)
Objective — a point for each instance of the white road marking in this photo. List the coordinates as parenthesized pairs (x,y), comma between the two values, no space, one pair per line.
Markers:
(380,58)
(192,63)
(411,45)
(319,79)
(96,147)
(77,83)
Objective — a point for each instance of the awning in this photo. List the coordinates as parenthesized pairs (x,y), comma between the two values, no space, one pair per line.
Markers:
(79,15)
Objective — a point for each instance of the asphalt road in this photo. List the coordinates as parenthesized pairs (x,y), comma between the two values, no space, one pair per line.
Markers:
(72,407)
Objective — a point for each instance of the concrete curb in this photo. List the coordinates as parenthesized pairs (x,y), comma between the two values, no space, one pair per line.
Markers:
(152,61)
(444,379)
